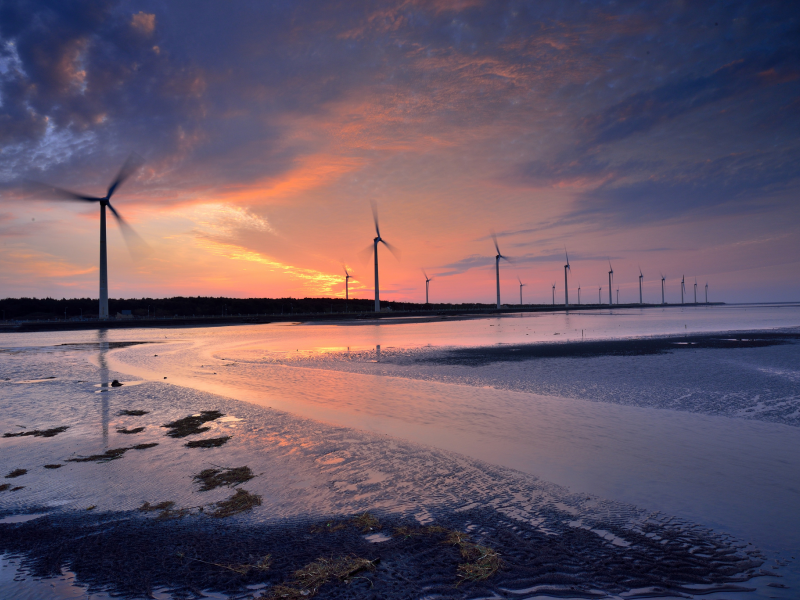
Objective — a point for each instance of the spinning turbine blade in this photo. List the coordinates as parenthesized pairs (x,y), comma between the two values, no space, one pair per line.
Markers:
(129,168)
(366,253)
(375,217)
(55,193)
(133,240)
(496,246)
(393,249)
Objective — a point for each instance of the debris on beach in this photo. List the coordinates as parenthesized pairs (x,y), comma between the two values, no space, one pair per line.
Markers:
(366,522)
(38,432)
(483,561)
(240,502)
(16,473)
(132,413)
(209,443)
(262,564)
(308,580)
(405,531)
(192,424)
(116,383)
(129,431)
(53,466)
(4,487)
(213,478)
(166,510)
(112,454)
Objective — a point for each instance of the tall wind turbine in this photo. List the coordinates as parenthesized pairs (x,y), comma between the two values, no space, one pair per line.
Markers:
(497,266)
(683,286)
(554,293)
(379,240)
(662,288)
(427,284)
(347,277)
(599,292)
(617,295)
(706,292)
(610,280)
(695,291)
(566,284)
(521,285)
(127,169)
(579,294)
(640,285)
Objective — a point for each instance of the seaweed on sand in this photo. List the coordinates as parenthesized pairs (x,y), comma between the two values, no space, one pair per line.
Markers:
(129,431)
(192,424)
(132,413)
(209,443)
(16,473)
(483,561)
(53,466)
(263,564)
(366,522)
(166,510)
(39,432)
(308,580)
(213,478)
(112,454)
(4,487)
(240,502)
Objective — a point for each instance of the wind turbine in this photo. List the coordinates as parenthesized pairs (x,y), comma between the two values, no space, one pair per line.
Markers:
(497,266)
(347,277)
(662,288)
(610,279)
(579,294)
(374,248)
(554,293)
(566,286)
(706,292)
(695,291)
(617,295)
(427,284)
(127,169)
(683,286)
(599,292)
(640,285)
(521,285)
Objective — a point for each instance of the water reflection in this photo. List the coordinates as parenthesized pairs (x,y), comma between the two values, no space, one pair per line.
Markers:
(102,342)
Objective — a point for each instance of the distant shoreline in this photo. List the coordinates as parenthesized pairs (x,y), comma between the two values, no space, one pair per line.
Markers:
(388,317)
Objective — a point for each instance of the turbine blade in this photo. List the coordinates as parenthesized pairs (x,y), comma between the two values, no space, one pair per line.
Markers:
(136,245)
(426,275)
(375,217)
(366,253)
(51,192)
(393,249)
(128,168)
(496,246)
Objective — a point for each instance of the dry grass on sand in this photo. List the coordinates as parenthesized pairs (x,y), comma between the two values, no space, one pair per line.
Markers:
(210,479)
(308,580)
(240,502)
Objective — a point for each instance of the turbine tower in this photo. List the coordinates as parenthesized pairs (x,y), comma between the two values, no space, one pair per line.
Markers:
(127,169)
(427,284)
(683,286)
(554,293)
(521,285)
(610,280)
(599,292)
(695,291)
(617,295)
(566,285)
(706,292)
(662,288)
(379,240)
(640,285)
(579,294)
(497,266)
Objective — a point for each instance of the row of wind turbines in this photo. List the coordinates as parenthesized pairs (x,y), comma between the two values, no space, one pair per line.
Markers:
(133,163)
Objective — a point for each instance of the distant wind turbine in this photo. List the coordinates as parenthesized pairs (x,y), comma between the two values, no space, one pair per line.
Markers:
(579,294)
(427,284)
(610,280)
(521,285)
(554,293)
(706,292)
(566,283)
(640,285)
(347,278)
(374,248)
(128,168)
(599,292)
(617,295)
(497,266)
(695,291)
(662,288)
(683,286)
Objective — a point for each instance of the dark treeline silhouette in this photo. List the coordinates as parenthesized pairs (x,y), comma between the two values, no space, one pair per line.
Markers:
(52,308)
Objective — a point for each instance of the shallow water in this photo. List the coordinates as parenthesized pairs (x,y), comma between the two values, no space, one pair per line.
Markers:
(720,451)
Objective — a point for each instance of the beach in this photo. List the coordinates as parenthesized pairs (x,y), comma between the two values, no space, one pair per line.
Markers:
(436,452)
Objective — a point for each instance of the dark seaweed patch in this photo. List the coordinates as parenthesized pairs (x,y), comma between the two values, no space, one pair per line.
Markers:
(39,432)
(210,479)
(132,413)
(129,431)
(144,446)
(105,457)
(16,473)
(240,502)
(192,424)
(53,466)
(209,443)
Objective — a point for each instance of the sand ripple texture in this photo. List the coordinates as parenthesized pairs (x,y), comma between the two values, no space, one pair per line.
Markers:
(307,470)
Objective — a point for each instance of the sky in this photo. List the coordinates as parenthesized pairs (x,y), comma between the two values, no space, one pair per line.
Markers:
(661,136)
